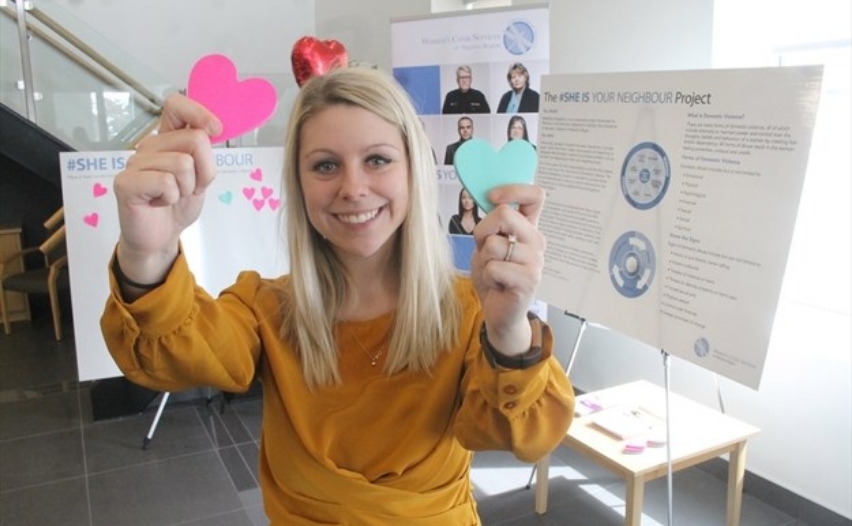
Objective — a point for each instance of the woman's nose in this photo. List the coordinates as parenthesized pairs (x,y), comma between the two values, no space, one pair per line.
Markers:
(353,183)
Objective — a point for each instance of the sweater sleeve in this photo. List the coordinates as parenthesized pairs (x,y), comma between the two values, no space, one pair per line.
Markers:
(177,336)
(524,411)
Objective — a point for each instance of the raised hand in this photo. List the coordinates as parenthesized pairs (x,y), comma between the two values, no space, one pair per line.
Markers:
(507,263)
(161,190)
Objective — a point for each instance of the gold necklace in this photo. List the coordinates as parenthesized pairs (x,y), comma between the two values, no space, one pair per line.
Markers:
(373,359)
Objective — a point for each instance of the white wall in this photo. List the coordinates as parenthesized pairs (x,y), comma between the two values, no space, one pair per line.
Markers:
(803,404)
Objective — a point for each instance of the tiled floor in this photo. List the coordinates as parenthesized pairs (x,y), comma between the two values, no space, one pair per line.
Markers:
(59,467)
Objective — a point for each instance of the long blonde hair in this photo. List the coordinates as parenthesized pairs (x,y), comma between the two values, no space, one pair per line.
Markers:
(427,316)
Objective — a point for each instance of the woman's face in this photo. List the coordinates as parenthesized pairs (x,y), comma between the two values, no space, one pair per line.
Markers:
(466,201)
(353,168)
(516,130)
(518,80)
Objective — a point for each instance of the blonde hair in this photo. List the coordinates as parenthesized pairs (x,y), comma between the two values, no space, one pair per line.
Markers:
(427,316)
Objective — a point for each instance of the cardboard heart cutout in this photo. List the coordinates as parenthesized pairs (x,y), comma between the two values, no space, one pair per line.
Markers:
(311,57)
(241,106)
(480,168)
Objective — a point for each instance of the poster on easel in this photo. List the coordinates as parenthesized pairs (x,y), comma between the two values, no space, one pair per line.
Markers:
(671,202)
(239,229)
(472,74)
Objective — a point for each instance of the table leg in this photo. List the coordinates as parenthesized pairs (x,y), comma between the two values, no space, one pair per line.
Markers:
(542,478)
(635,496)
(736,472)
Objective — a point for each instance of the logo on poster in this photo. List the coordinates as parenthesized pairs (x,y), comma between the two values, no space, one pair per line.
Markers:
(518,37)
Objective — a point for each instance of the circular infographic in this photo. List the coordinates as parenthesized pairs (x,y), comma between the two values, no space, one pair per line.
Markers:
(645,175)
(632,264)
(518,37)
(701,347)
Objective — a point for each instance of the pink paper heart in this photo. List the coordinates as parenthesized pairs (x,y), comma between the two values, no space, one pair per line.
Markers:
(241,105)
(91,219)
(248,192)
(99,190)
(274,203)
(256,174)
(266,191)
(258,203)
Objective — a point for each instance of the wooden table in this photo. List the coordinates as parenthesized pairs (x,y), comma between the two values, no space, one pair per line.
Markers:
(698,434)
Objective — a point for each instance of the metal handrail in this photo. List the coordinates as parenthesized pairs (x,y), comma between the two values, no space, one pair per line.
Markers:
(148,99)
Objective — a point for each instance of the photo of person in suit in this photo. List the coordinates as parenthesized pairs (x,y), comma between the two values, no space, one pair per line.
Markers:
(517,129)
(465,99)
(465,128)
(520,98)
(467,217)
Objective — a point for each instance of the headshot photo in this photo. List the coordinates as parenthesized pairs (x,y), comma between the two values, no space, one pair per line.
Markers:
(520,98)
(517,129)
(465,131)
(465,98)
(467,217)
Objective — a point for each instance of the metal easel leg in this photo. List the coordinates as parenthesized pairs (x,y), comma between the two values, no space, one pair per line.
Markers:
(150,435)
(567,371)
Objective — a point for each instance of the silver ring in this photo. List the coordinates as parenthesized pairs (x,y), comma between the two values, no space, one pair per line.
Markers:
(513,239)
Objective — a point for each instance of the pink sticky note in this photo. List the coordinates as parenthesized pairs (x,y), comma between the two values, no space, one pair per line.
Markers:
(241,105)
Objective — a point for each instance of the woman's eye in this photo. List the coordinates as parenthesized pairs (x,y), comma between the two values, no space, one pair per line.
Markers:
(378,160)
(325,167)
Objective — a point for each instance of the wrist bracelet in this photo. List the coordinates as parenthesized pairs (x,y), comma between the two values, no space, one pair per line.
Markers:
(124,280)
(520,361)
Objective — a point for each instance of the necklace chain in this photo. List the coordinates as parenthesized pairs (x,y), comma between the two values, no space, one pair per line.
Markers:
(374,359)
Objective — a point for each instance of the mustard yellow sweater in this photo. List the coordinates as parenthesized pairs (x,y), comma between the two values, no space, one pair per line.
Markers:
(375,450)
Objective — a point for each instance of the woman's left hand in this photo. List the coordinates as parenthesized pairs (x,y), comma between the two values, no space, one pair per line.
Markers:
(507,263)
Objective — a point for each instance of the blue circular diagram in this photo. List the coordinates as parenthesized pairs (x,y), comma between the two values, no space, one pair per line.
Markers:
(632,264)
(701,347)
(518,37)
(645,175)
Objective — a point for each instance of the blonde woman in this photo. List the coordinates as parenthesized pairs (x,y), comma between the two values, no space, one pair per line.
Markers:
(382,369)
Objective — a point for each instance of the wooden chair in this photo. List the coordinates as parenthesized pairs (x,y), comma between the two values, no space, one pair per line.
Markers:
(50,279)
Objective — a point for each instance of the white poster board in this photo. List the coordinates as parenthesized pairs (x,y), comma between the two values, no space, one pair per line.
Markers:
(672,198)
(239,229)
(427,51)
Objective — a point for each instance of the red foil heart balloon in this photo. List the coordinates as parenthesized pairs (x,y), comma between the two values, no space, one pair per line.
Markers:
(312,57)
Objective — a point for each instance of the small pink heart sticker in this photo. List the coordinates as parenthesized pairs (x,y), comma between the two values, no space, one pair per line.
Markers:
(241,105)
(256,174)
(91,219)
(248,192)
(99,190)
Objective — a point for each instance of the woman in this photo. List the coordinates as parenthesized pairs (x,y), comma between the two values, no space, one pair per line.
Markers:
(381,368)
(468,216)
(517,129)
(520,98)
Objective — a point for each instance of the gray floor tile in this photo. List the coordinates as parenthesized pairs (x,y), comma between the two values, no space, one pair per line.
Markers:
(40,459)
(235,518)
(63,503)
(40,414)
(118,443)
(163,493)
(251,414)
(238,471)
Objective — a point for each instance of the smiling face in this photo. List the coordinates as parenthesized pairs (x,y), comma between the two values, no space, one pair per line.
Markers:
(353,169)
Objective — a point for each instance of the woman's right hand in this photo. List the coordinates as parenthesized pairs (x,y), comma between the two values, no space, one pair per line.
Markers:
(161,190)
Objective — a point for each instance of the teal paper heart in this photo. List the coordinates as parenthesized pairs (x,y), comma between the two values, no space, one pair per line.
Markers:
(480,168)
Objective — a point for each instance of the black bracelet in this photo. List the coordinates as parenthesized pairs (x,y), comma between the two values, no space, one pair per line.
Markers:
(124,280)
(520,361)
